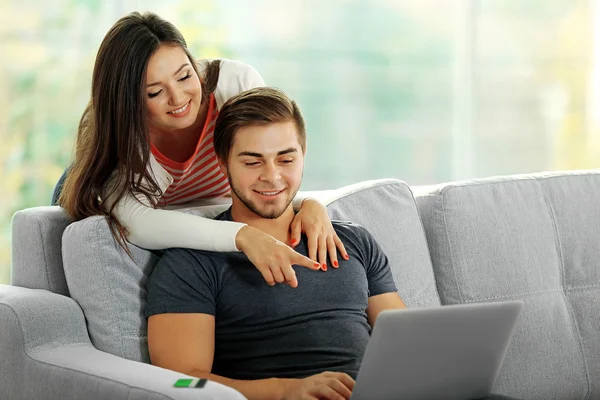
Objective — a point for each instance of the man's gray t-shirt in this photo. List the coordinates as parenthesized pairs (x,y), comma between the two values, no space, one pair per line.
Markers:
(263,331)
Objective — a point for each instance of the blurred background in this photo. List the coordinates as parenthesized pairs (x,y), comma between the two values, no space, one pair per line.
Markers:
(425,91)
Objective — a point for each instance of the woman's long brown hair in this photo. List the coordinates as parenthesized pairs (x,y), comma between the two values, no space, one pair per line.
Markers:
(113,131)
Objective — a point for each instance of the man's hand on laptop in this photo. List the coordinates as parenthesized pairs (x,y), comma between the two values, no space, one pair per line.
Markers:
(272,258)
(326,385)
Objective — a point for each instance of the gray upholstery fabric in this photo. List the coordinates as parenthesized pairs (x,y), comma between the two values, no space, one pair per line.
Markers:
(533,238)
(35,250)
(575,203)
(111,288)
(387,209)
(46,354)
(529,237)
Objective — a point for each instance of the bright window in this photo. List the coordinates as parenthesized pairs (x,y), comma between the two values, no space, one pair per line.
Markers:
(421,90)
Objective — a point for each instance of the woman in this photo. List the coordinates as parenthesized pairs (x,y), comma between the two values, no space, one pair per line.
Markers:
(145,144)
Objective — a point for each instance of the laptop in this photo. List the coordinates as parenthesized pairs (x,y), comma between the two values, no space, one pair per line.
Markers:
(450,352)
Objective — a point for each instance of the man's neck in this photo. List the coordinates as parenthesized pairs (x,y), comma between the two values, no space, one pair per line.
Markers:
(278,228)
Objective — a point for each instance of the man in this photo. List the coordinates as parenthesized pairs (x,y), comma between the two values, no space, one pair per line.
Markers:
(212,315)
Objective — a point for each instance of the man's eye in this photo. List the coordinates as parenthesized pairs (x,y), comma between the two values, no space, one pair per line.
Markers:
(151,95)
(287,161)
(188,76)
(250,164)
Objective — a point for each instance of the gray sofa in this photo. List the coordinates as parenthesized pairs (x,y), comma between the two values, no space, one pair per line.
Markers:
(71,323)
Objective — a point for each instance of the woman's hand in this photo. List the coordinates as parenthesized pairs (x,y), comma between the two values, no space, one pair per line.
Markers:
(274,259)
(313,220)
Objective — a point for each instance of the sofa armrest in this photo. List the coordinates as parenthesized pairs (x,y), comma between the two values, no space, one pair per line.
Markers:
(45,352)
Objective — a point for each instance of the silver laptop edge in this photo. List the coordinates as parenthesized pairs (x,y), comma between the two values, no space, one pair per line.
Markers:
(452,352)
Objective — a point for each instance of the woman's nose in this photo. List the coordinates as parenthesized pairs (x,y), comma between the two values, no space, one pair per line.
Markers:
(176,98)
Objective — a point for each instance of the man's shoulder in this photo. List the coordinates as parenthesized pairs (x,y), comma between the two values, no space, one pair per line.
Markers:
(347,225)
(190,257)
(350,229)
(224,216)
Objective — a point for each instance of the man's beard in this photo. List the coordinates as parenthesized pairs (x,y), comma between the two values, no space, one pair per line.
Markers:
(270,214)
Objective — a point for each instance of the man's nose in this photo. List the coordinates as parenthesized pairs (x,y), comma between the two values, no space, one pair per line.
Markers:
(270,173)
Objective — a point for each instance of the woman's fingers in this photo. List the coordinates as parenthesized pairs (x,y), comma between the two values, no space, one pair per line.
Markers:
(299,259)
(290,275)
(267,276)
(277,274)
(275,260)
(331,249)
(313,245)
(340,247)
(282,271)
(295,233)
(322,251)
(325,244)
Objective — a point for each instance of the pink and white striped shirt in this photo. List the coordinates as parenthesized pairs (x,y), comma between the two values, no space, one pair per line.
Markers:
(199,177)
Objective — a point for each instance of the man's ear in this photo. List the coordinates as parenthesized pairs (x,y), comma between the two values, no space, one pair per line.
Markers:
(222,167)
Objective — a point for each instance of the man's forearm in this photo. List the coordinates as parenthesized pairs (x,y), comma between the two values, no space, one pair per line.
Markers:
(260,389)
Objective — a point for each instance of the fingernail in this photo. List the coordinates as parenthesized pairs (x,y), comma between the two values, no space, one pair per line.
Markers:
(335,264)
(346,257)
(324,267)
(293,242)
(317,265)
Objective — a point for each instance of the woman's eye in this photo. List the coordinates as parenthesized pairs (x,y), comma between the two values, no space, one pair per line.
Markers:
(151,95)
(188,76)
(250,164)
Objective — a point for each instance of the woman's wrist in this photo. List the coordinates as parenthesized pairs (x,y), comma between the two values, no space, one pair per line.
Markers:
(241,238)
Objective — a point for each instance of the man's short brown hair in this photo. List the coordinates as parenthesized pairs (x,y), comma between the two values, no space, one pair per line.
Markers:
(257,106)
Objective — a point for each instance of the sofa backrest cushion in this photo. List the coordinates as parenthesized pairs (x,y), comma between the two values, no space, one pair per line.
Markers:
(111,288)
(387,209)
(36,259)
(534,238)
